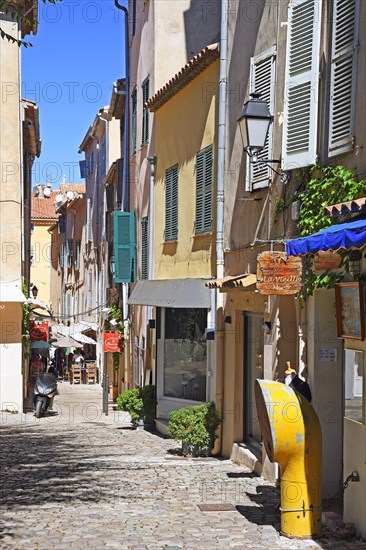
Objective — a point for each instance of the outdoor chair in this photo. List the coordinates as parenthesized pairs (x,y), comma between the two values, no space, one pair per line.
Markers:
(76,375)
(91,374)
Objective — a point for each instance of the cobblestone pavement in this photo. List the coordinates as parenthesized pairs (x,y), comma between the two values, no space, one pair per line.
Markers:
(77,479)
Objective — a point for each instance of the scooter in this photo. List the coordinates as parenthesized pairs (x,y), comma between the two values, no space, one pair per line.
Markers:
(45,388)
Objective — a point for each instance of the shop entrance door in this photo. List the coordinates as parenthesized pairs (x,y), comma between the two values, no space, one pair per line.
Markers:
(253,369)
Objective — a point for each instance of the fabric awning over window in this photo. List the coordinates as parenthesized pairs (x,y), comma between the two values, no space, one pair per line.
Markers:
(346,235)
(171,293)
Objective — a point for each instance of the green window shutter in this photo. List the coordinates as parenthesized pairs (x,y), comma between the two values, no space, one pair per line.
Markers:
(171,204)
(124,247)
(144,247)
(134,119)
(343,75)
(262,80)
(204,181)
(301,84)
(145,112)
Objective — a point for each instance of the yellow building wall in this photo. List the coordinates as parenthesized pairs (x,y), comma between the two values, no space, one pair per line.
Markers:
(191,115)
(41,265)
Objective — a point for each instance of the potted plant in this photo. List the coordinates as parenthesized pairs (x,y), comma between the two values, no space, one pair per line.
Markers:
(195,426)
(131,402)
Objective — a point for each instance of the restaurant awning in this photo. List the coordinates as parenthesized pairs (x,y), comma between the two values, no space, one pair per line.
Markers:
(225,284)
(346,235)
(171,293)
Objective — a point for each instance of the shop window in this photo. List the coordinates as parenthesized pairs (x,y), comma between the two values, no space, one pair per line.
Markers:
(353,384)
(185,353)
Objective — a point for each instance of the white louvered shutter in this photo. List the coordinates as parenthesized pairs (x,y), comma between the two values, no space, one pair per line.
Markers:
(301,84)
(262,80)
(343,75)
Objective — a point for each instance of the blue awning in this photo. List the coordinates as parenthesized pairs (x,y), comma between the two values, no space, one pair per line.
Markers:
(350,234)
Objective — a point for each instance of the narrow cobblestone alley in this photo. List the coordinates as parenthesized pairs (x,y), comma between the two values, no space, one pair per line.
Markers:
(78,479)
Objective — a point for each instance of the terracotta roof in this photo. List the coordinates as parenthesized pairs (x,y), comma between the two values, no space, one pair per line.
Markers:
(44,208)
(188,73)
(78,187)
(237,281)
(350,207)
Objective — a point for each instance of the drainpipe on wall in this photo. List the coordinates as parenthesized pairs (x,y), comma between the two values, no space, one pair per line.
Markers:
(150,271)
(126,157)
(220,215)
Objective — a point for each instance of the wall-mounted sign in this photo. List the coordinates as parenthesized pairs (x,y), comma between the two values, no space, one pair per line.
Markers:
(38,332)
(112,341)
(327,354)
(278,273)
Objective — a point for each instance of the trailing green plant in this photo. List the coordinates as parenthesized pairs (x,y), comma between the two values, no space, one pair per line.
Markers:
(195,425)
(327,185)
(116,314)
(25,324)
(131,402)
(116,359)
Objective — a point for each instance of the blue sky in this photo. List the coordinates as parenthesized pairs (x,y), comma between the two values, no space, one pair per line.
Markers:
(76,56)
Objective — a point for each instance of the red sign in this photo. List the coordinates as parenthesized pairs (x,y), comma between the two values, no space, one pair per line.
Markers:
(38,331)
(113,341)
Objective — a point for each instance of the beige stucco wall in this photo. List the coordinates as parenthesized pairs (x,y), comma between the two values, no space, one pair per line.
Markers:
(191,256)
(40,268)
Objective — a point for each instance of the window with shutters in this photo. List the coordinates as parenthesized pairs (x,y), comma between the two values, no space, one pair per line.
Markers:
(89,222)
(263,81)
(343,75)
(144,247)
(204,189)
(68,305)
(301,84)
(171,204)
(90,163)
(145,112)
(124,247)
(90,292)
(77,255)
(134,119)
(61,255)
(69,252)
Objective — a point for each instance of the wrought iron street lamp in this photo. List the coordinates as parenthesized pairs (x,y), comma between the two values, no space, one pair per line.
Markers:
(254,123)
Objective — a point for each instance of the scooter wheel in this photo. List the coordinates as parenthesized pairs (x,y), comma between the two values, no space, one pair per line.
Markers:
(38,409)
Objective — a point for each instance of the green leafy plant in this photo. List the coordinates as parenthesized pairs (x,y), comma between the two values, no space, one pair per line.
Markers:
(327,185)
(115,359)
(25,324)
(131,402)
(195,425)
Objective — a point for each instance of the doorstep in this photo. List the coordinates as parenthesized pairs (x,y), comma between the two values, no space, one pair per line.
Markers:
(161,426)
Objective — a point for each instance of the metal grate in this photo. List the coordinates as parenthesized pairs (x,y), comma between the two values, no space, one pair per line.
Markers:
(217,508)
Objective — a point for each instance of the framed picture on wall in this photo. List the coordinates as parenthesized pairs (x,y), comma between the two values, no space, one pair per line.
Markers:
(350,310)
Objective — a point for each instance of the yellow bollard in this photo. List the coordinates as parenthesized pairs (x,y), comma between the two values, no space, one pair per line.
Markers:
(292,437)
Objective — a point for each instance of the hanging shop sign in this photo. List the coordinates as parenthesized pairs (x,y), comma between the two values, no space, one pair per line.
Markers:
(326,260)
(112,341)
(38,332)
(278,273)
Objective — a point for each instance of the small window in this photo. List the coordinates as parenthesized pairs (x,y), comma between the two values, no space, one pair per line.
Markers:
(145,112)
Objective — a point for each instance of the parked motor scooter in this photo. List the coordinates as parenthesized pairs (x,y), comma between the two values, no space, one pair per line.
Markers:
(45,388)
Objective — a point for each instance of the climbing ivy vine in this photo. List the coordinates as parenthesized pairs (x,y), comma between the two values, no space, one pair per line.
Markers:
(327,185)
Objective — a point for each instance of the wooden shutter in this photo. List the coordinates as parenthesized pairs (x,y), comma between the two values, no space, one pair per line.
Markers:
(144,247)
(77,255)
(171,204)
(343,75)
(89,233)
(61,255)
(124,247)
(69,254)
(204,180)
(262,80)
(145,112)
(134,118)
(301,84)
